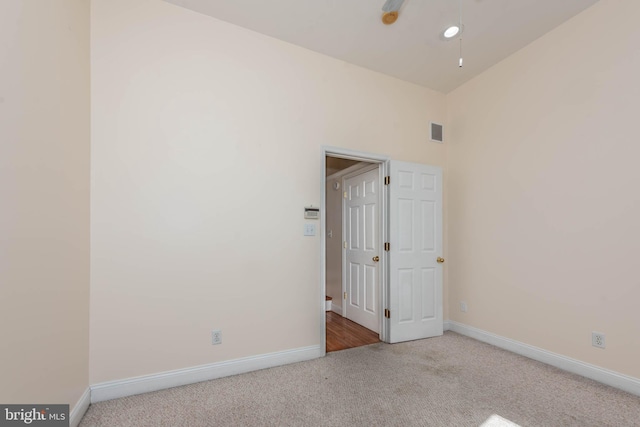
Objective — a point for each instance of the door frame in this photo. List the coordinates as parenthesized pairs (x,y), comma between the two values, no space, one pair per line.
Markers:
(382,161)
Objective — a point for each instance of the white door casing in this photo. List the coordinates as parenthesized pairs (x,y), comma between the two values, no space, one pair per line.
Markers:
(415,237)
(362,200)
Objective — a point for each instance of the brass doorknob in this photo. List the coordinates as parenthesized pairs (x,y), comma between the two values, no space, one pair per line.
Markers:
(440,260)
(376,258)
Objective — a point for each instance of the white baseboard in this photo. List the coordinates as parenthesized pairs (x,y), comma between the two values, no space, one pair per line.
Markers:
(605,376)
(128,387)
(80,408)
(446,326)
(336,309)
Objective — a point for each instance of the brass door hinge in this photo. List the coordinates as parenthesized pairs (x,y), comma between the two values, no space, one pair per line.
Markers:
(387,313)
(344,194)
(387,246)
(387,180)
(345,295)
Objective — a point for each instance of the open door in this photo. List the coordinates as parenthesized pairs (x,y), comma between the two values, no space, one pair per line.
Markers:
(361,278)
(415,253)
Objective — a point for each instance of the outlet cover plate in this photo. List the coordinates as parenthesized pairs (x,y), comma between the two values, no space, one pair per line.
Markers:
(216,337)
(598,339)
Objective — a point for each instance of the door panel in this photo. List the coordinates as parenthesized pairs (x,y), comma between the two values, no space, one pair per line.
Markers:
(362,227)
(405,291)
(370,221)
(428,226)
(370,284)
(353,288)
(405,225)
(354,227)
(415,235)
(428,293)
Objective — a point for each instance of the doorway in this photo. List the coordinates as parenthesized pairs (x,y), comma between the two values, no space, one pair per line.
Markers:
(410,268)
(353,245)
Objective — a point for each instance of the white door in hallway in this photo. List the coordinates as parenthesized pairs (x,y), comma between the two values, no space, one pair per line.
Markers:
(415,256)
(362,200)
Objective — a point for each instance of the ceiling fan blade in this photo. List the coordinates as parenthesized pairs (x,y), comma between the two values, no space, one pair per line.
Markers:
(392,5)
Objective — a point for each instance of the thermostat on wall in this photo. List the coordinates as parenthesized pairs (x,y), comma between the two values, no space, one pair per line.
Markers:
(311,213)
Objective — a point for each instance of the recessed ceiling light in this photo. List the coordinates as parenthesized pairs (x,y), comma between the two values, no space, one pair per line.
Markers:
(451,32)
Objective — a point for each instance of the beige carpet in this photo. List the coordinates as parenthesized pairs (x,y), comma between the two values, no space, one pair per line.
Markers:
(446,381)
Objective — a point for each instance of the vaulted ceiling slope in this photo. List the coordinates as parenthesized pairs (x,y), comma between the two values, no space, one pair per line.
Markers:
(411,49)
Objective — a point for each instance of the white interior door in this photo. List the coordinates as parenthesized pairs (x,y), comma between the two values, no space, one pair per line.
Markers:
(415,237)
(361,234)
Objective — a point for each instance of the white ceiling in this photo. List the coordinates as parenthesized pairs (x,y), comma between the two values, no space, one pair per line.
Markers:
(410,49)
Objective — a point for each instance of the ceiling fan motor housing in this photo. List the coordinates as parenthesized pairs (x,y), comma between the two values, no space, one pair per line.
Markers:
(389,18)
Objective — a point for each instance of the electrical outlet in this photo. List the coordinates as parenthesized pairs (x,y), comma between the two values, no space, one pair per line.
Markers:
(216,337)
(598,340)
(463,306)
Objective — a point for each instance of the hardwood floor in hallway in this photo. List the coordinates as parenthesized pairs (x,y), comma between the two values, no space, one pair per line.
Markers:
(342,333)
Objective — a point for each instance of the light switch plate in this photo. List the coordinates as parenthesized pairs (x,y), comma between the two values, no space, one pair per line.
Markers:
(309,229)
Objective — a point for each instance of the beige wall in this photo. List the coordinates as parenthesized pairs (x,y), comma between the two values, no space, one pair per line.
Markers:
(44,194)
(193,228)
(544,230)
